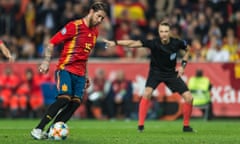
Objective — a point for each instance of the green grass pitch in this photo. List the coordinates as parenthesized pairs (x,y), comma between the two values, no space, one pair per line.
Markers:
(123,132)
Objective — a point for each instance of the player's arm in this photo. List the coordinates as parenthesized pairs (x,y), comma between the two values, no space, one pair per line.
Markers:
(126,43)
(44,66)
(185,57)
(87,82)
(5,51)
(67,32)
(184,61)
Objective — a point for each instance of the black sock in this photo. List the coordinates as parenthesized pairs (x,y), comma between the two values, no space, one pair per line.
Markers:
(66,113)
(52,111)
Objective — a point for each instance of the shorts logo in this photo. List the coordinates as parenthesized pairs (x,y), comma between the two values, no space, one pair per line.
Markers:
(64,87)
(173,56)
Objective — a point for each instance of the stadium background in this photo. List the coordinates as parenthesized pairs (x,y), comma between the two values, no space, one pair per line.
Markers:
(211,27)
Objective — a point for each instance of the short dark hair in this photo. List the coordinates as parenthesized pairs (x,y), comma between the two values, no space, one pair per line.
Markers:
(165,24)
(98,5)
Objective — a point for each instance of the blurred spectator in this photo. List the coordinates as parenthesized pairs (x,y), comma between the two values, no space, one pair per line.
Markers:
(215,52)
(230,43)
(28,49)
(67,14)
(30,19)
(236,24)
(202,28)
(119,99)
(9,83)
(201,5)
(8,23)
(47,15)
(32,82)
(97,94)
(122,29)
(79,10)
(163,8)
(200,87)
(197,52)
(182,7)
(214,30)
(129,11)
(236,56)
(152,27)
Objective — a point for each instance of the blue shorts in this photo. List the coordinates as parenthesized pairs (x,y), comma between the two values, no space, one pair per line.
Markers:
(69,83)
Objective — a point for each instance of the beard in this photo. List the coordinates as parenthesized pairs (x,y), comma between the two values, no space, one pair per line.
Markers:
(91,23)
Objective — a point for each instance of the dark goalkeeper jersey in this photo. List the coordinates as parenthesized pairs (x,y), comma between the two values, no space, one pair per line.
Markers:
(164,56)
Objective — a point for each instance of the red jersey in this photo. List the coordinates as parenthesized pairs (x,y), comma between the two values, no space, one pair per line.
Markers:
(78,41)
(1,42)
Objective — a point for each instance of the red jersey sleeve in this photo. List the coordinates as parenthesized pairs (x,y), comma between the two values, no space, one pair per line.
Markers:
(67,32)
(1,42)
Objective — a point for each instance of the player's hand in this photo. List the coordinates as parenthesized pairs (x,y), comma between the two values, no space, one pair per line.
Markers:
(8,55)
(10,58)
(87,83)
(180,71)
(44,66)
(109,43)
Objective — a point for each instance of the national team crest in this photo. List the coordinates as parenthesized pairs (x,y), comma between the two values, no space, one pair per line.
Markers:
(64,87)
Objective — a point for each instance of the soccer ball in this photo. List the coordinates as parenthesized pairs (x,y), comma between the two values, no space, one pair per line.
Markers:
(58,131)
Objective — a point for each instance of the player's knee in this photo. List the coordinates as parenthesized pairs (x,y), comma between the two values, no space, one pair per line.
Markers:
(188,97)
(64,99)
(147,96)
(148,93)
(76,100)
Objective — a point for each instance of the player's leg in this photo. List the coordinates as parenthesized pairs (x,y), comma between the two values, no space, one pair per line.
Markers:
(67,113)
(151,84)
(143,107)
(78,85)
(187,111)
(178,85)
(61,101)
(64,87)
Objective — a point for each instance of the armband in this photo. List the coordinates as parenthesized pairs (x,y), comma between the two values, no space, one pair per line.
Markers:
(184,63)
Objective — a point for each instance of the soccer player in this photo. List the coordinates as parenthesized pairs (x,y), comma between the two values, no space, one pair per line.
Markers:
(164,51)
(5,51)
(79,38)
